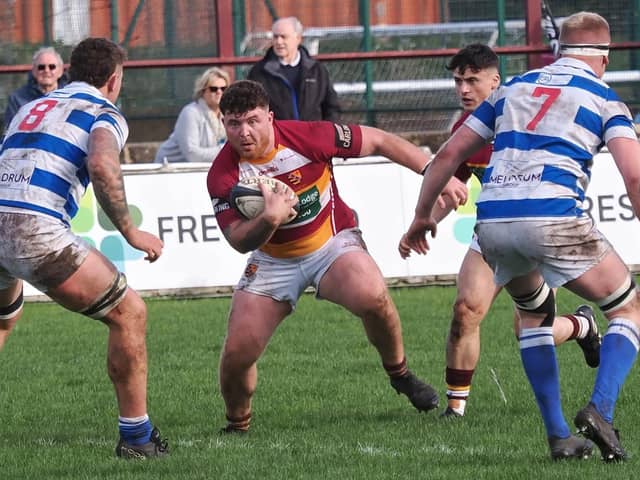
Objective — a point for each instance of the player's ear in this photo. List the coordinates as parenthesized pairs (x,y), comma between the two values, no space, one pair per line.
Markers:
(496,81)
(111,83)
(114,79)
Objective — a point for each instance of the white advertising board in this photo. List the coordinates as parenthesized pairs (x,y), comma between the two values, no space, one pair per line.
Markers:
(173,203)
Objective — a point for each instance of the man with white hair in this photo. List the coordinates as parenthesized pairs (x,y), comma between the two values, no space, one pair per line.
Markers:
(299,87)
(532,225)
(46,75)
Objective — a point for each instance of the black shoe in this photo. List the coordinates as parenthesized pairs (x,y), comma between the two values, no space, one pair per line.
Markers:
(570,447)
(591,424)
(450,413)
(590,344)
(155,447)
(421,395)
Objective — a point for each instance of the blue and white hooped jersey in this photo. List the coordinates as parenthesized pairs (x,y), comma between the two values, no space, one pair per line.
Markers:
(43,167)
(547,125)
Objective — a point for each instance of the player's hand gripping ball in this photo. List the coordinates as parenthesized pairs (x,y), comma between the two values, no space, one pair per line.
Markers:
(247,199)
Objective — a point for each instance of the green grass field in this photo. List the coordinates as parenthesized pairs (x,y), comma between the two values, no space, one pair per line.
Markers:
(323,408)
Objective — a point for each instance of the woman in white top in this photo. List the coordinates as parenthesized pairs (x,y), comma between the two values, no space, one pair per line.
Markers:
(198,134)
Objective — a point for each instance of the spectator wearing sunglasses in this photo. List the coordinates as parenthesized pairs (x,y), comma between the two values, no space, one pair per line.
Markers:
(46,75)
(198,134)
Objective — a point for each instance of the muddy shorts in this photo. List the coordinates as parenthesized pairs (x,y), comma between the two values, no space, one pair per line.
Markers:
(38,249)
(474,245)
(284,279)
(561,250)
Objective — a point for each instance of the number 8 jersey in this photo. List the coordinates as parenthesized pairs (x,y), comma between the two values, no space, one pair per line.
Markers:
(43,167)
(547,125)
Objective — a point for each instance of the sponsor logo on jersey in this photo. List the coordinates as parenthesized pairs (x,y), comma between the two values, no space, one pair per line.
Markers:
(509,175)
(219,205)
(309,204)
(16,174)
(548,79)
(343,136)
(266,171)
(295,177)
(515,179)
(8,179)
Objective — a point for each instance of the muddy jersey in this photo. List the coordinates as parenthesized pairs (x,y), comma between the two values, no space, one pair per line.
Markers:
(477,163)
(43,167)
(548,124)
(302,159)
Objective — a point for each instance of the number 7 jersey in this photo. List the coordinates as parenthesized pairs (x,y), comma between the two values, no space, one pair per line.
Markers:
(547,126)
(43,158)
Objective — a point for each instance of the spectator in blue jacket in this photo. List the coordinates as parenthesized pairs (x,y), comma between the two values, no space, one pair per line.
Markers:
(46,75)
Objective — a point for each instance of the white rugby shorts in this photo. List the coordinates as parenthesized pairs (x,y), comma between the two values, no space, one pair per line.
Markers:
(561,250)
(285,279)
(474,245)
(38,249)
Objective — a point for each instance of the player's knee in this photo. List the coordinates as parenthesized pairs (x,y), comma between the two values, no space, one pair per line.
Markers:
(375,304)
(235,362)
(541,301)
(467,315)
(9,315)
(134,308)
(240,351)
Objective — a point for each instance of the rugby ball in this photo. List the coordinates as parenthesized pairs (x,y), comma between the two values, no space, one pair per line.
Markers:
(247,199)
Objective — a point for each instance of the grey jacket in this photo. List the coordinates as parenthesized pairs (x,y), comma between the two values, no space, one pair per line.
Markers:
(198,136)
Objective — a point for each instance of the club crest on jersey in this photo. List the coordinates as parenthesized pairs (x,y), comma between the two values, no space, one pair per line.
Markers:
(544,78)
(343,136)
(251,270)
(295,177)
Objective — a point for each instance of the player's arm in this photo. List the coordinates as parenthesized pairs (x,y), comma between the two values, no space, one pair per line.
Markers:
(405,153)
(460,146)
(248,235)
(626,152)
(103,164)
(393,147)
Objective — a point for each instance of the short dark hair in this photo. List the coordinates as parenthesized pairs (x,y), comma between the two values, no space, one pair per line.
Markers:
(475,56)
(242,96)
(94,60)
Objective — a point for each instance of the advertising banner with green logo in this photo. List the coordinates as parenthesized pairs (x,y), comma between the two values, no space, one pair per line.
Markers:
(173,203)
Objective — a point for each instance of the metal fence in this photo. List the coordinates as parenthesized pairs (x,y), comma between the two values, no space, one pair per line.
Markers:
(408,94)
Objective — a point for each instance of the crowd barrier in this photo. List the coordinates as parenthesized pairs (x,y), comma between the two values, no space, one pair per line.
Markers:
(172,202)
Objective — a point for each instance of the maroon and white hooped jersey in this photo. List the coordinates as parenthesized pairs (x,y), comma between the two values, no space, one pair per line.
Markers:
(302,158)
